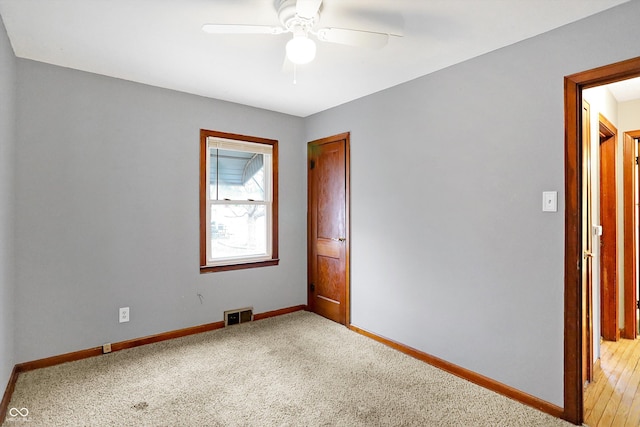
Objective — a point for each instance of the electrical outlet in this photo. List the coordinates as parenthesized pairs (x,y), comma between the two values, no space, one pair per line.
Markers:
(124,314)
(106,348)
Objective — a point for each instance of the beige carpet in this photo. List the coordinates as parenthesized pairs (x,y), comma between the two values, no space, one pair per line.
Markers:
(294,370)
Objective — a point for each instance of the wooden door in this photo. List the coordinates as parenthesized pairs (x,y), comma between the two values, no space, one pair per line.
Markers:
(630,251)
(328,227)
(608,241)
(587,249)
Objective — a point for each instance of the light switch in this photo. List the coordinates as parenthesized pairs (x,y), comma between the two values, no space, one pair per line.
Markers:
(549,201)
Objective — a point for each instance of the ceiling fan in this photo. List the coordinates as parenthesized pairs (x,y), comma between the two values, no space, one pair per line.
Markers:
(300,17)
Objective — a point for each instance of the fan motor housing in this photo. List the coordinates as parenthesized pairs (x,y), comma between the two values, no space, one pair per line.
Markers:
(288,16)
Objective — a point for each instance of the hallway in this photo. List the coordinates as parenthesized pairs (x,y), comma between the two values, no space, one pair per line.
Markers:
(613,398)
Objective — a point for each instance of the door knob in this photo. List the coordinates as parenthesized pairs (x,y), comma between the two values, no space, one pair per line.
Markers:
(339,239)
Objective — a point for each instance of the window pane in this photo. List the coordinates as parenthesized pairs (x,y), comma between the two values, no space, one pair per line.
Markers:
(238,174)
(238,230)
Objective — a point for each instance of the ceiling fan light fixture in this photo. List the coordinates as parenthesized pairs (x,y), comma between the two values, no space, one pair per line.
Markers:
(301,49)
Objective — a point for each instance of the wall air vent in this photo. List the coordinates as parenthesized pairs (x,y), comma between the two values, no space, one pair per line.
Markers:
(240,315)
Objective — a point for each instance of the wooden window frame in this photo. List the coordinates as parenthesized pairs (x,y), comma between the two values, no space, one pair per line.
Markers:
(204,202)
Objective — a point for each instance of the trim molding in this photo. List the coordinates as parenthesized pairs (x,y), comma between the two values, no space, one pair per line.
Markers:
(468,375)
(274,313)
(11,385)
(122,345)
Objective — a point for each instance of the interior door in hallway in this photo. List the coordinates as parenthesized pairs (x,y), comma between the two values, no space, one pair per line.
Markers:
(608,242)
(629,259)
(328,227)
(587,248)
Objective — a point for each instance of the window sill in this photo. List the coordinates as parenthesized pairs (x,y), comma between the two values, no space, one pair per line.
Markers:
(213,268)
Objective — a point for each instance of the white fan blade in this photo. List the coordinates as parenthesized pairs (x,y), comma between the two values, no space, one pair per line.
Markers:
(241,29)
(307,8)
(353,37)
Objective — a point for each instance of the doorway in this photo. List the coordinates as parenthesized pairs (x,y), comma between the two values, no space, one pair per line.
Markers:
(574,288)
(328,228)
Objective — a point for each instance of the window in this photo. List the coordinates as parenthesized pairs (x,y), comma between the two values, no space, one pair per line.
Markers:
(238,201)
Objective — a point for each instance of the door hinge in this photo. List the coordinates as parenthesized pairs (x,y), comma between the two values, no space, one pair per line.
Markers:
(312,287)
(638,304)
(636,160)
(312,164)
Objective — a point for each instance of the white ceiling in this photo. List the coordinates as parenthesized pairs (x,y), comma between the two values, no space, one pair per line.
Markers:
(160,43)
(625,90)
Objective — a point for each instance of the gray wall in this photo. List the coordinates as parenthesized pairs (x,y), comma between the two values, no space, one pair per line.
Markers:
(107,185)
(7,144)
(451,253)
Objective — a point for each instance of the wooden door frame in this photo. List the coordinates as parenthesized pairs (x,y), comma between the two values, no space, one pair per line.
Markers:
(347,245)
(609,300)
(573,86)
(587,247)
(630,232)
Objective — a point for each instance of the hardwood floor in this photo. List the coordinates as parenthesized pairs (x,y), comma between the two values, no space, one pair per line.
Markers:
(613,398)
